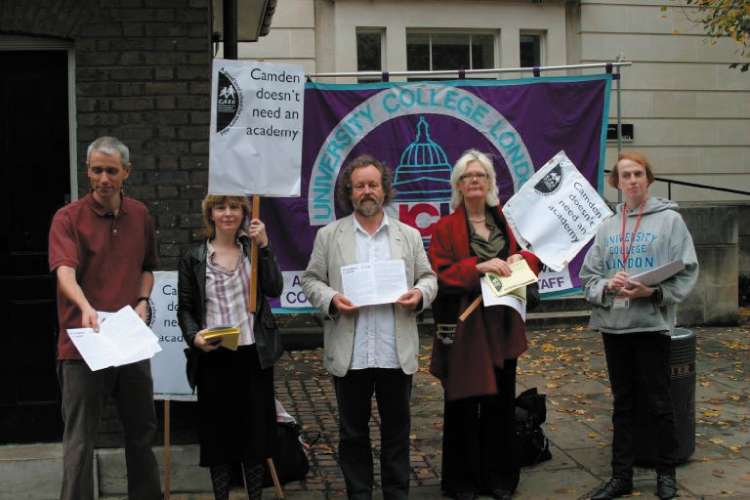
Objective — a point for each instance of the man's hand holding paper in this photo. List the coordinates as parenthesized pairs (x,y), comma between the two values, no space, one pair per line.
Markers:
(123,338)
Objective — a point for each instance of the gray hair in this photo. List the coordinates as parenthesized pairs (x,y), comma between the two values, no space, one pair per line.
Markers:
(109,146)
(469,156)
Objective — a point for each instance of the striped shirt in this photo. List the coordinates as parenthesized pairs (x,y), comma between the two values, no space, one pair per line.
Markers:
(227,296)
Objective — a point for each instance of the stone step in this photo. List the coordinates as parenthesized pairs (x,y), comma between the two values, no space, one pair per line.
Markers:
(30,471)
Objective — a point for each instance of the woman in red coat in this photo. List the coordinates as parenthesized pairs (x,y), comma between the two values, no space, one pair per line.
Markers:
(476,359)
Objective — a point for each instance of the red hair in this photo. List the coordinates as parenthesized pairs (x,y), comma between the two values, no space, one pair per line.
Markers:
(634,156)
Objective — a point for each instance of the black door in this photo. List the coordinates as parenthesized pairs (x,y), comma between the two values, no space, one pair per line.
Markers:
(34,182)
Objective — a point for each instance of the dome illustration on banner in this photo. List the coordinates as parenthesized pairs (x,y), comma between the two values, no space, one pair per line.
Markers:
(423,182)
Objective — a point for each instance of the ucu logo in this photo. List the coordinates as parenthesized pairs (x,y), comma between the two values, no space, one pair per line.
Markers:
(422,215)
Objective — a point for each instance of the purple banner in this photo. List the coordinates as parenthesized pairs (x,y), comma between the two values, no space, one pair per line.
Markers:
(420,130)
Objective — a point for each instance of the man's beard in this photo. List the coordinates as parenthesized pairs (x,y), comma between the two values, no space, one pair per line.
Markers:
(368,207)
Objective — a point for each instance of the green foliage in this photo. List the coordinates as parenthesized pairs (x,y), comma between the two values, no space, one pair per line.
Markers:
(727,18)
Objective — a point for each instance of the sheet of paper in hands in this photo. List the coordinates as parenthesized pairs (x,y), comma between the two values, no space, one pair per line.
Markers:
(658,274)
(556,212)
(515,299)
(376,282)
(123,338)
(521,275)
(225,336)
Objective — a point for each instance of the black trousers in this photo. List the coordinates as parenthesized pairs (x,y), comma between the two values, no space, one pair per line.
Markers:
(638,364)
(480,450)
(392,389)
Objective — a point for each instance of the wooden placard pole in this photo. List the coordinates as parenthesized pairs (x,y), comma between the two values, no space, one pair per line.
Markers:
(254,258)
(275,478)
(167,452)
(472,307)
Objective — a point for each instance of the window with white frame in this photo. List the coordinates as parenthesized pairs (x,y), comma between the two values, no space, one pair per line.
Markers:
(370,51)
(531,48)
(442,50)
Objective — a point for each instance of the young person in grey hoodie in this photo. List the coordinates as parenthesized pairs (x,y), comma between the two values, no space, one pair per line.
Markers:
(635,319)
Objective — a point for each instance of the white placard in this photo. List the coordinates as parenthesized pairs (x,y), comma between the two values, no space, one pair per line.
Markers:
(376,282)
(556,212)
(168,367)
(256,128)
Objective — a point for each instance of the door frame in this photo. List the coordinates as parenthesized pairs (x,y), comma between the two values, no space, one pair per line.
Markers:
(9,43)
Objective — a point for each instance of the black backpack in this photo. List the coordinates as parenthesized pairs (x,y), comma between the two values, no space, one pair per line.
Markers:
(531,413)
(289,458)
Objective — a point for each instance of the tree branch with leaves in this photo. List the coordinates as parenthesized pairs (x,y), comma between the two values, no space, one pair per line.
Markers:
(727,18)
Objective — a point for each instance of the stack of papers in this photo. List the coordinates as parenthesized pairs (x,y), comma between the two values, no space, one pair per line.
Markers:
(123,338)
(225,336)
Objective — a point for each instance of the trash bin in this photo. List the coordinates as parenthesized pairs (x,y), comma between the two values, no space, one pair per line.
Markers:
(682,363)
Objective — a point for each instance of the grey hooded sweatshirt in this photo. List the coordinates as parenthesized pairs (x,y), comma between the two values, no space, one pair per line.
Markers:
(662,237)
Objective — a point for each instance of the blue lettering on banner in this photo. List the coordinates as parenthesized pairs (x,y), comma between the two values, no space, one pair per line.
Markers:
(403,100)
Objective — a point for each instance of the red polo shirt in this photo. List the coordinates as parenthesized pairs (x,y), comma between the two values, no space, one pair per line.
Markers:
(109,254)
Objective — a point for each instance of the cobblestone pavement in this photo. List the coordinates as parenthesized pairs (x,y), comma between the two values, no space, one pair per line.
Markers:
(568,365)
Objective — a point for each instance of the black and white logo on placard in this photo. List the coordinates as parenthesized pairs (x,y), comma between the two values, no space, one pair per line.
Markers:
(550,182)
(228,102)
(151,319)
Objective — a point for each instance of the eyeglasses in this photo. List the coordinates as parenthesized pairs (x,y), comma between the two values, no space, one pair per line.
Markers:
(473,176)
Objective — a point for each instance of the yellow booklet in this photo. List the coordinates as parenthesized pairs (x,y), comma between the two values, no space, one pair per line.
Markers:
(521,275)
(225,336)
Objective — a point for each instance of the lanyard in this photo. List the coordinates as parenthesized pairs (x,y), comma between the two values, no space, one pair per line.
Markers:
(624,254)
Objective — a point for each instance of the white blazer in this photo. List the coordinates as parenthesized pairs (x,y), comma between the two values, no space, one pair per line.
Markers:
(335,246)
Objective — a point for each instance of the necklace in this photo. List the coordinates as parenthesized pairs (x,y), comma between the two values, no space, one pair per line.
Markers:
(478,220)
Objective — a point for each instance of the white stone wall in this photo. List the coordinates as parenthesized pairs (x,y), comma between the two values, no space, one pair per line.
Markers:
(690,111)
(291,39)
(506,19)
(321,34)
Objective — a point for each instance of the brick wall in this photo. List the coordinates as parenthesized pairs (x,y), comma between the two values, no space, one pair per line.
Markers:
(142,75)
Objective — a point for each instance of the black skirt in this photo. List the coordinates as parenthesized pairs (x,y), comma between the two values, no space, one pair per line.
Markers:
(236,406)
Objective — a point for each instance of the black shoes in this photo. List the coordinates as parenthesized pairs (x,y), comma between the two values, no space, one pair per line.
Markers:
(501,494)
(666,486)
(464,495)
(615,487)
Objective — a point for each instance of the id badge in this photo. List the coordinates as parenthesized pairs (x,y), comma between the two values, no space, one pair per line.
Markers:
(621,303)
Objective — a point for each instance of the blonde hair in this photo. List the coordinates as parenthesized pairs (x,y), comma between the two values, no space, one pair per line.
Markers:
(212,200)
(467,157)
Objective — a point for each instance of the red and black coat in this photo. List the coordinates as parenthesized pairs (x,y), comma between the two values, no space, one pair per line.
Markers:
(489,336)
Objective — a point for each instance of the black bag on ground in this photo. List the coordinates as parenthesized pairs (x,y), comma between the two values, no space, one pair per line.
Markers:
(531,413)
(289,457)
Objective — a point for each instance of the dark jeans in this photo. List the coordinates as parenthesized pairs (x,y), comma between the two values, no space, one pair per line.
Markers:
(84,394)
(638,363)
(480,450)
(392,389)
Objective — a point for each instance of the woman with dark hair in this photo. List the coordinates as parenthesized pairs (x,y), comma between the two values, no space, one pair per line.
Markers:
(635,319)
(236,404)
(475,359)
